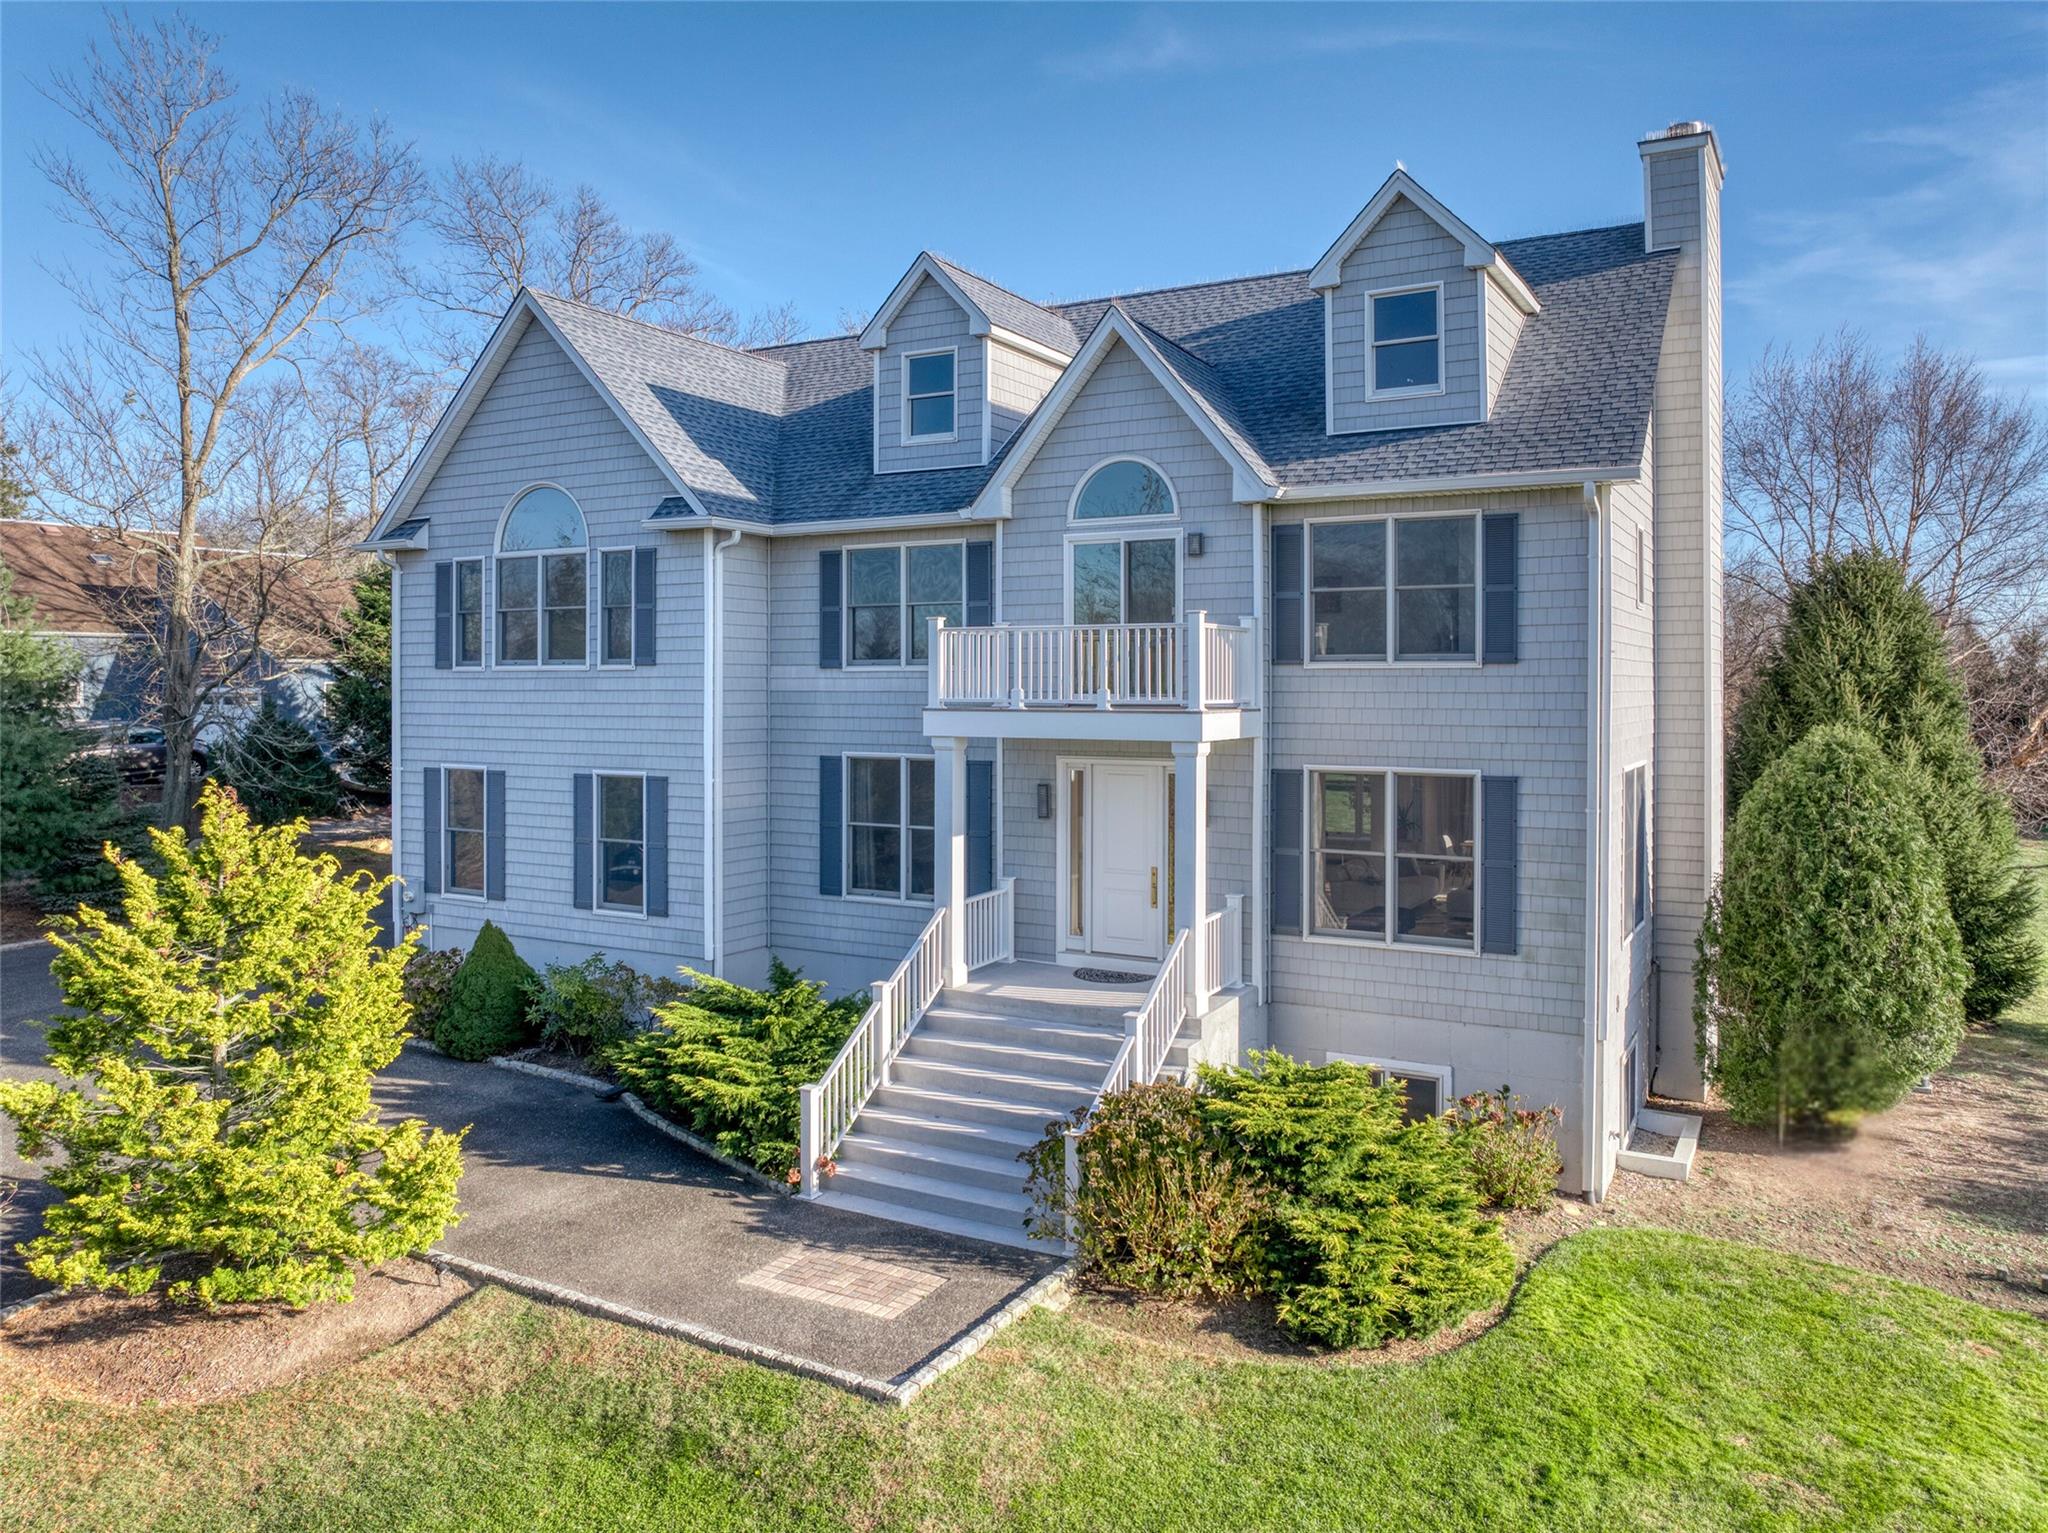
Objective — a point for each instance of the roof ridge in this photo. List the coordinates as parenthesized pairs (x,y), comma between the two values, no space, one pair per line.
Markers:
(647,324)
(1566,234)
(969,271)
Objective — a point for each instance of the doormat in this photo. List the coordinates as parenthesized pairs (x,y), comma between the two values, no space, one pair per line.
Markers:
(1109,977)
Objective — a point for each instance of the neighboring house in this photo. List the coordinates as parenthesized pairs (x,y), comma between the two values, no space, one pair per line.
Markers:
(1351,634)
(98,590)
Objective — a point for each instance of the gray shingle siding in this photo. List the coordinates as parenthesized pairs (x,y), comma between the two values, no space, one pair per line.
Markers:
(1406,248)
(929,321)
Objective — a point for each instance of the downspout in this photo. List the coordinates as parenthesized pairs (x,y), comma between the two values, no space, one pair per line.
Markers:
(397,771)
(1597,748)
(714,738)
(1256,904)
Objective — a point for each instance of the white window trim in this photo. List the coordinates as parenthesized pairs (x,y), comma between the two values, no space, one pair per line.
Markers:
(1144,531)
(1308,593)
(1080,484)
(1628,854)
(903,760)
(486,614)
(903,393)
(632,607)
(448,891)
(903,661)
(492,660)
(1372,342)
(597,840)
(1387,941)
(1405,1068)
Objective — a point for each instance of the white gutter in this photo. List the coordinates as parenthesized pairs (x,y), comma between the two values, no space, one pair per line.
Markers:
(714,738)
(812,529)
(1461,484)
(1260,775)
(1598,707)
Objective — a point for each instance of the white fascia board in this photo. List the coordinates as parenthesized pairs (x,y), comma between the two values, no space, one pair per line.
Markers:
(1157,726)
(409,546)
(966,514)
(1247,484)
(1457,484)
(876,334)
(1029,347)
(1328,272)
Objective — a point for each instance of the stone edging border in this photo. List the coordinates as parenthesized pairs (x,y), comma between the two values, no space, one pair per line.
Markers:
(1051,1291)
(9,1311)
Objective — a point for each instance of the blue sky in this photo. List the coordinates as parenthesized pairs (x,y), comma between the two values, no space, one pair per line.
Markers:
(1888,165)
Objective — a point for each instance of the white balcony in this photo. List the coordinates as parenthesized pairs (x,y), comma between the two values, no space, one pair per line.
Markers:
(1193,680)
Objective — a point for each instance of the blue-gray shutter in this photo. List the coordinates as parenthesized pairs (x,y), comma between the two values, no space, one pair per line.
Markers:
(981,826)
(444,615)
(430,829)
(981,584)
(494,835)
(831,825)
(1289,617)
(1284,847)
(1502,533)
(656,809)
(1500,850)
(643,606)
(829,621)
(582,839)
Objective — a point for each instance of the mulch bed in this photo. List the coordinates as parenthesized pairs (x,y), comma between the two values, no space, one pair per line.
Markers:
(138,1351)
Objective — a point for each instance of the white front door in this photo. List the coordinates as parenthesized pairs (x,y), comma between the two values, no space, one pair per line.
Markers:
(1126,841)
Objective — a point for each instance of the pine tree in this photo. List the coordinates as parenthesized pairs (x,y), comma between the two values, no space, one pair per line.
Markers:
(358,701)
(278,770)
(221,1135)
(57,803)
(1830,974)
(1862,648)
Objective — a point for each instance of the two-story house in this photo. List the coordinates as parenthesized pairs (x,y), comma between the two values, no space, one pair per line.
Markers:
(1346,641)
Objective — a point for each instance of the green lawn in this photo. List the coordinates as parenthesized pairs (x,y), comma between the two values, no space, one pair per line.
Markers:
(1640,1380)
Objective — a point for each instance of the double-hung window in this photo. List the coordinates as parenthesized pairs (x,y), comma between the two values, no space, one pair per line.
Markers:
(1394,857)
(893,593)
(469,612)
(543,596)
(1401,587)
(928,398)
(1636,796)
(615,623)
(889,827)
(1407,341)
(621,843)
(463,817)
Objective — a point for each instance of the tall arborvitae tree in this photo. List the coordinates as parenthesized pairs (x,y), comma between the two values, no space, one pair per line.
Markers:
(358,702)
(215,1120)
(1861,647)
(278,770)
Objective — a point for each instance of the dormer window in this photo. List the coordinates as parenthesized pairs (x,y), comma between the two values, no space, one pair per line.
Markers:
(1407,341)
(928,397)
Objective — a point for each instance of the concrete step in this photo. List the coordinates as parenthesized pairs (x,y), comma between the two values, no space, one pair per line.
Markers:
(995,1173)
(993,1140)
(1030,1032)
(933,1195)
(924,1219)
(1022,1058)
(1023,1090)
(1104,1014)
(1027,1119)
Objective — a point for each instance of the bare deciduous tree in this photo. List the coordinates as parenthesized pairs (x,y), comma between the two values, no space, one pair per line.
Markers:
(234,246)
(778,325)
(1833,451)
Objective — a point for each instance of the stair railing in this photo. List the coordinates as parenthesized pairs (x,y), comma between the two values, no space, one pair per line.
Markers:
(826,1108)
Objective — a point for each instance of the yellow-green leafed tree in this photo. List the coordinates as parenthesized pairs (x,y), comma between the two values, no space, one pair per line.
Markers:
(222,1141)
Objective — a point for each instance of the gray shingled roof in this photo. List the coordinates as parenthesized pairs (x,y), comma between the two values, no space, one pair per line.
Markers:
(1008,311)
(786,434)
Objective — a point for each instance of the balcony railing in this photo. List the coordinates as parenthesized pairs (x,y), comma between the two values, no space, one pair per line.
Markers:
(1190,664)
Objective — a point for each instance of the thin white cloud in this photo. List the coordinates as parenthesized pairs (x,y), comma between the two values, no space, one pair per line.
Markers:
(1957,246)
(1160,45)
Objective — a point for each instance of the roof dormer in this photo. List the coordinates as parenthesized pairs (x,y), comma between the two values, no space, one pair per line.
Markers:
(1420,315)
(958,364)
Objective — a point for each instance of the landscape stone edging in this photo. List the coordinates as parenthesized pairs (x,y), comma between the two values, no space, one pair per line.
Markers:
(1051,1291)
(681,1135)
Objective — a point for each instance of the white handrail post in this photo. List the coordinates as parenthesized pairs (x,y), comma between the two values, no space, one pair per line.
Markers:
(935,664)
(879,1032)
(1072,1173)
(807,1137)
(1012,652)
(1197,660)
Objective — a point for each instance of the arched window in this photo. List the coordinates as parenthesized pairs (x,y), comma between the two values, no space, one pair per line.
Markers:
(1125,487)
(543,593)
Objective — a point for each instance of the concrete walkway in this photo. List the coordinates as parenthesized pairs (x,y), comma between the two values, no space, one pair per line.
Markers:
(564,1189)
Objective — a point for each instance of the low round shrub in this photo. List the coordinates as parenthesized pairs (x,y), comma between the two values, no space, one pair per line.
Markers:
(1164,1206)
(486,1010)
(1830,972)
(429,976)
(1515,1163)
(589,1006)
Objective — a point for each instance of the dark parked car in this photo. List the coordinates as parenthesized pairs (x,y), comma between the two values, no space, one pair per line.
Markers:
(140,754)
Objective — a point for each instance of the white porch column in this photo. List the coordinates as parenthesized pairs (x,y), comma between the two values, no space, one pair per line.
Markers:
(949,822)
(1191,859)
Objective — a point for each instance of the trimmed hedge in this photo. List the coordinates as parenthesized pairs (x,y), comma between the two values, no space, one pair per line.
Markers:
(486,1009)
